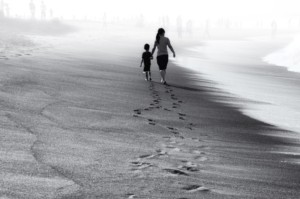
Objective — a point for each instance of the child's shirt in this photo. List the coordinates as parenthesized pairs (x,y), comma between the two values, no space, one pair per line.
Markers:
(147,58)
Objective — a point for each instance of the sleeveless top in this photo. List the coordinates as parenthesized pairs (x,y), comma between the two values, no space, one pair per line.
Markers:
(162,46)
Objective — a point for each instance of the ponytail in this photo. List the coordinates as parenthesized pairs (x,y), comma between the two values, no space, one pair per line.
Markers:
(157,38)
(159,32)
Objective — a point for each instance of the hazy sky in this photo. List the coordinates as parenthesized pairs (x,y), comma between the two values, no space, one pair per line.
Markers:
(153,8)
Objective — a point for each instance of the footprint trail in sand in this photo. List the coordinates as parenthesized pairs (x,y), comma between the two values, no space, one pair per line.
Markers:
(178,155)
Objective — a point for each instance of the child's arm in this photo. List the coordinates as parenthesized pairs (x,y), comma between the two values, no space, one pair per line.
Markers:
(142,62)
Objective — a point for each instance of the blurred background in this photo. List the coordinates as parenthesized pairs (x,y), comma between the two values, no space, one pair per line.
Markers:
(185,16)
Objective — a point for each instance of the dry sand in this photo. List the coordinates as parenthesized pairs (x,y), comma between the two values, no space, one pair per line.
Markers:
(82,125)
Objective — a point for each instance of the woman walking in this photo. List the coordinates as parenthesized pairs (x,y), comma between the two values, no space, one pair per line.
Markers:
(162,43)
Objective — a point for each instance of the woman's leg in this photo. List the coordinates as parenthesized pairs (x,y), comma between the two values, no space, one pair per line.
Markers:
(162,62)
(163,75)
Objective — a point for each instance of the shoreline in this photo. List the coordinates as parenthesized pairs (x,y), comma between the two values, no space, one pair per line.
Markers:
(251,83)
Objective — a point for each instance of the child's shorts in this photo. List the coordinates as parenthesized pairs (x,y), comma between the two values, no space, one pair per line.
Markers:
(147,68)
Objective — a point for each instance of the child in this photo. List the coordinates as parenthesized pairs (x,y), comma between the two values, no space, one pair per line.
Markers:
(146,58)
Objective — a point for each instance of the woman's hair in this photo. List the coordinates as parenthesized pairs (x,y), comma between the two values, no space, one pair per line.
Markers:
(159,32)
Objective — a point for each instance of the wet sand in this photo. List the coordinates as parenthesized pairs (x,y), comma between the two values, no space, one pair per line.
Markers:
(76,124)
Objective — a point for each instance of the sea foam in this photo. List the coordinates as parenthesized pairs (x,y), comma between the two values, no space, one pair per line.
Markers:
(288,57)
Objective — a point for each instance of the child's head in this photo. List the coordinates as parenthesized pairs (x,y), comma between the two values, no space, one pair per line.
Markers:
(146,47)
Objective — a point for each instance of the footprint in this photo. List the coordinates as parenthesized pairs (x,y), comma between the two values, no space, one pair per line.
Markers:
(190,167)
(195,188)
(181,114)
(152,123)
(180,101)
(148,156)
(167,109)
(137,111)
(181,118)
(161,152)
(130,196)
(146,109)
(179,136)
(135,116)
(176,172)
(172,141)
(150,120)
(171,128)
(176,149)
(141,165)
(170,147)
(197,152)
(201,158)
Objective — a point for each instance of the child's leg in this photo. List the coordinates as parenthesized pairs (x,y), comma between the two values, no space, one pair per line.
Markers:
(146,73)
(150,75)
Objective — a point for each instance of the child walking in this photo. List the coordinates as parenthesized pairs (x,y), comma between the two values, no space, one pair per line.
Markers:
(146,59)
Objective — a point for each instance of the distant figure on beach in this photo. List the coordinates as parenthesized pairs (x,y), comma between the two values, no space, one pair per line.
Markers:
(7,10)
(162,42)
(32,9)
(104,20)
(43,10)
(179,26)
(207,29)
(274,28)
(1,9)
(140,21)
(51,13)
(146,59)
(189,27)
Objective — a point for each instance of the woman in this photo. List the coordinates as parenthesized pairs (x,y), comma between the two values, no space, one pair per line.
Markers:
(162,43)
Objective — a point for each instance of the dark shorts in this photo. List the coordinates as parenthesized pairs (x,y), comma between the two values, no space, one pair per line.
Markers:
(147,67)
(162,61)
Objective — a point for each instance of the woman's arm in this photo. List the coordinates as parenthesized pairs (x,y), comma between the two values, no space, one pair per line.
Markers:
(171,48)
(154,47)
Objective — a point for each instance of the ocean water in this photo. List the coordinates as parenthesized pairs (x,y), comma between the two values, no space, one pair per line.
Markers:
(288,57)
(265,91)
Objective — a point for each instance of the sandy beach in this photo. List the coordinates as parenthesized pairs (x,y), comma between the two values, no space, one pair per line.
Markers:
(80,122)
